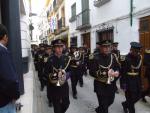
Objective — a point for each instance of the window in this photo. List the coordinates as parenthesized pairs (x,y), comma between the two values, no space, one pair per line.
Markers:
(73,13)
(144,25)
(85,5)
(73,9)
(73,41)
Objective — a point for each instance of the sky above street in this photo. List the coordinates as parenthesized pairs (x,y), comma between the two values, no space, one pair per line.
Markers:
(37,6)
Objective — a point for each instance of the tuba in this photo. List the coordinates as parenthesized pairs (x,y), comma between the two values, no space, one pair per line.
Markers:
(58,78)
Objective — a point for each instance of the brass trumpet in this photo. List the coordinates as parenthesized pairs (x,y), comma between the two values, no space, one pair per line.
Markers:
(111,75)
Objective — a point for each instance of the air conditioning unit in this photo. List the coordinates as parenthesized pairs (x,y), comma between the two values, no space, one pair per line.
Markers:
(98,3)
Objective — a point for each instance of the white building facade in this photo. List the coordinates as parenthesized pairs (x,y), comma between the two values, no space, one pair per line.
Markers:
(25,34)
(58,18)
(109,19)
(43,27)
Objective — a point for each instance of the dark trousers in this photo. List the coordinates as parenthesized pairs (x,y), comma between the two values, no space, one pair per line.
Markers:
(60,104)
(40,76)
(131,99)
(74,80)
(81,79)
(49,95)
(80,74)
(147,91)
(105,100)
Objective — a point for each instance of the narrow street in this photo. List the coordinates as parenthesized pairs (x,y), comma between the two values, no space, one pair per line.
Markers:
(86,102)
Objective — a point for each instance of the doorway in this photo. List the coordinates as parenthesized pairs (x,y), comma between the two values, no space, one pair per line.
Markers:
(144,33)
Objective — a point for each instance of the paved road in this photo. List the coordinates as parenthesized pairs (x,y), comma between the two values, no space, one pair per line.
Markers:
(86,100)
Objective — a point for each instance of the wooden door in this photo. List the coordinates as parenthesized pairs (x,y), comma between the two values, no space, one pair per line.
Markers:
(106,35)
(87,40)
(144,33)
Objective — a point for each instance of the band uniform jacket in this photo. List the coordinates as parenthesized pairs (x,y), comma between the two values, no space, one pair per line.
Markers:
(131,74)
(58,63)
(95,61)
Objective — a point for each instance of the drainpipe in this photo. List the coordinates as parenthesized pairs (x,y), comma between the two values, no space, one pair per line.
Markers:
(131,13)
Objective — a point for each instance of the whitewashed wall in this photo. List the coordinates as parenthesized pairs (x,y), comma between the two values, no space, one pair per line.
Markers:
(114,13)
(24,23)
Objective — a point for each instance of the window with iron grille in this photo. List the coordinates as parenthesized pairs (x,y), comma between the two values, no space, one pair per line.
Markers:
(73,13)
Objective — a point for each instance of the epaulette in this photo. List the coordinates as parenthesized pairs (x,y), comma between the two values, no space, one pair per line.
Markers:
(116,58)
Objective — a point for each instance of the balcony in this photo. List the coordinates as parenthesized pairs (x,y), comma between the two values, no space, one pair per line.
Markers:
(98,3)
(72,19)
(56,4)
(61,23)
(56,32)
(83,20)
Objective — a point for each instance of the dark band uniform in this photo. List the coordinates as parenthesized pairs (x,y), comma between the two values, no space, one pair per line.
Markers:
(146,63)
(99,66)
(82,67)
(75,69)
(40,64)
(45,61)
(58,92)
(117,53)
(132,79)
(86,59)
(36,59)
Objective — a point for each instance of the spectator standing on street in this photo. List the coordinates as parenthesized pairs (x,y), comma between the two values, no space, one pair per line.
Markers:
(9,86)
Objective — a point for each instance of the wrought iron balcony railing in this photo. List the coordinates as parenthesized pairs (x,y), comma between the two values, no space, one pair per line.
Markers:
(98,3)
(61,23)
(83,20)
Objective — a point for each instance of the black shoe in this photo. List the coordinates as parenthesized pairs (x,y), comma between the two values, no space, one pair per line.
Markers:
(81,85)
(85,74)
(97,110)
(125,109)
(144,100)
(75,96)
(42,88)
(117,92)
(50,104)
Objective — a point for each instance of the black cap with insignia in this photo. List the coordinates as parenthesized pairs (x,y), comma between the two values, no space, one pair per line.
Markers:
(48,47)
(41,45)
(136,45)
(58,42)
(104,43)
(115,43)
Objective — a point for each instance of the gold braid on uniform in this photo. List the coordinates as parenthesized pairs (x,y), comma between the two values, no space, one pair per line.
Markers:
(104,79)
(107,67)
(139,64)
(66,65)
(61,80)
(147,51)
(117,59)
